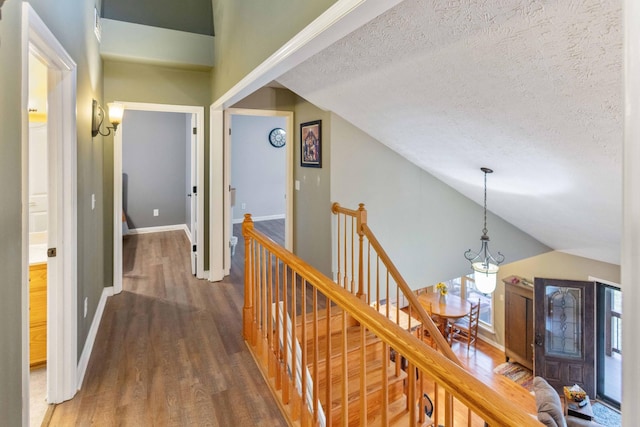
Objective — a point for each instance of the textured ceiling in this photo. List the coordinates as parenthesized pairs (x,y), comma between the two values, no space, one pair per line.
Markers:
(532,89)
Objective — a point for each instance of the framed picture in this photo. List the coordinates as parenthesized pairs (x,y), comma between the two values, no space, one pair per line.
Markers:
(311,144)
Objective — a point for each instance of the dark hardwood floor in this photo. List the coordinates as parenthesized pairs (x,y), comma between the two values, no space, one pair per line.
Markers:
(169,351)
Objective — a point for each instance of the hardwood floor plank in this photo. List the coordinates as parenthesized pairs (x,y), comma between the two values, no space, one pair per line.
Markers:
(169,350)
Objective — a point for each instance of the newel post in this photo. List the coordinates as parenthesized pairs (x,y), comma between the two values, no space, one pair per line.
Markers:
(247,311)
(361,221)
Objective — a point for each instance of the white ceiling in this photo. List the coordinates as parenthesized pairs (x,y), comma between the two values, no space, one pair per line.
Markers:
(531,89)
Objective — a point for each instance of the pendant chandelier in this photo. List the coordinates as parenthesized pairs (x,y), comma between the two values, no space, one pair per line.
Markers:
(484,265)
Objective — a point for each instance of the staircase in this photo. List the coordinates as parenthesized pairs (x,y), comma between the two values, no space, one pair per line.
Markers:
(381,377)
(326,352)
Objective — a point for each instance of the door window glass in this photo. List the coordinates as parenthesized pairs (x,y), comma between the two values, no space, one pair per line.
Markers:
(563,321)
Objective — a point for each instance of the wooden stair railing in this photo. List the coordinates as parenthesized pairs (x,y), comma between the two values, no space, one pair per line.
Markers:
(332,359)
(384,285)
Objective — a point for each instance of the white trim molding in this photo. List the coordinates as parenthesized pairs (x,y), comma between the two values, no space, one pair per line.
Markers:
(91,336)
(260,218)
(161,229)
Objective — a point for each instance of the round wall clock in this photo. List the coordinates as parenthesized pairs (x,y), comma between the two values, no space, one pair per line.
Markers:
(278,137)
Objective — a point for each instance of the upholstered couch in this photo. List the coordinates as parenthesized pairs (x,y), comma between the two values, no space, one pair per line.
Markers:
(550,411)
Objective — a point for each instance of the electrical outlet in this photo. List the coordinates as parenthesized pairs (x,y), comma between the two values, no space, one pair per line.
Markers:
(86,306)
(297,185)
(243,206)
(156,212)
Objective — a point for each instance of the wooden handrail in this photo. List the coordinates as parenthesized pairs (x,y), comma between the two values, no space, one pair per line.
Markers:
(363,230)
(495,409)
(426,320)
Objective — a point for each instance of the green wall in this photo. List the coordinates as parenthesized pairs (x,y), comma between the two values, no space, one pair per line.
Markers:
(10,219)
(312,203)
(248,32)
(125,81)
(72,24)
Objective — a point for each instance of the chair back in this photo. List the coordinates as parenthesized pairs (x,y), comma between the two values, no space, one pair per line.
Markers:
(474,318)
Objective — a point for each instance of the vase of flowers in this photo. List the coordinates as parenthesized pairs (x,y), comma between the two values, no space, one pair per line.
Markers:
(443,290)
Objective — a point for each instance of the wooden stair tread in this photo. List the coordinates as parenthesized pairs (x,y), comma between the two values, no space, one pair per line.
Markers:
(335,339)
(374,382)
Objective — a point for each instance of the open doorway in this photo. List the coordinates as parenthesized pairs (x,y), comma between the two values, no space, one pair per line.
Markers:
(185,207)
(49,190)
(258,172)
(609,353)
(38,242)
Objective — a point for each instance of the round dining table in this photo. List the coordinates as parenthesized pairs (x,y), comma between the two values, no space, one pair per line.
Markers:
(451,307)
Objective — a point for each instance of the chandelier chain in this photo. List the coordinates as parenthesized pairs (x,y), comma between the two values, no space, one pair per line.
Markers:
(484,230)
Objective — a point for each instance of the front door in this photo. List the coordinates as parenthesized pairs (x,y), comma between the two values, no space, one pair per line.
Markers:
(564,333)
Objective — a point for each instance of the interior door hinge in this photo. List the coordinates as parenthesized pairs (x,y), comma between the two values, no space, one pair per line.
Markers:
(194,248)
(195,189)
(229,131)
(195,131)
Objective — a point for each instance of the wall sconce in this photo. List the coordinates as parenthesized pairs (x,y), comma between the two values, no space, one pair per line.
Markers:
(97,117)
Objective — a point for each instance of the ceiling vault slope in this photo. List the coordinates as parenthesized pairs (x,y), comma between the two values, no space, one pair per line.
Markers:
(531,89)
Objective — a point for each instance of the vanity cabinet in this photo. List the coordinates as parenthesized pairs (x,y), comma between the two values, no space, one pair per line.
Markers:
(519,333)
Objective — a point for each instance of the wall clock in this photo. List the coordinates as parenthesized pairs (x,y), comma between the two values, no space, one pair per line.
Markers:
(277,137)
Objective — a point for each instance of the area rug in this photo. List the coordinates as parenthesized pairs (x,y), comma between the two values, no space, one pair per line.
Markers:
(516,373)
(606,416)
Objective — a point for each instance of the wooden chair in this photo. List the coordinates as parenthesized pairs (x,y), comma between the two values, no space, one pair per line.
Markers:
(466,329)
(439,323)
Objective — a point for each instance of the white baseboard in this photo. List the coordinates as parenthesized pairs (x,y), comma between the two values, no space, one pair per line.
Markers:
(490,342)
(91,337)
(160,229)
(260,218)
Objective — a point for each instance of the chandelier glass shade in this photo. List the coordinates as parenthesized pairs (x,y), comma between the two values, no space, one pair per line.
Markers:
(484,265)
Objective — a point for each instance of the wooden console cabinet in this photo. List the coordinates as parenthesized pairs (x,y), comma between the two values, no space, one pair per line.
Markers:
(519,333)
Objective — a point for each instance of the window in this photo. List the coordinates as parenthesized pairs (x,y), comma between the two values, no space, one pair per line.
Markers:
(465,287)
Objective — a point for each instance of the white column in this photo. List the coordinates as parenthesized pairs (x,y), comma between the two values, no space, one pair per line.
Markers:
(631,217)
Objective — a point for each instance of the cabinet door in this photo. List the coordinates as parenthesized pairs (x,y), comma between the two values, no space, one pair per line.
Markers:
(516,326)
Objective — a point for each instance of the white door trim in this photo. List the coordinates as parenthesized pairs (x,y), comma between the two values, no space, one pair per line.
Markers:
(117,182)
(62,340)
(228,229)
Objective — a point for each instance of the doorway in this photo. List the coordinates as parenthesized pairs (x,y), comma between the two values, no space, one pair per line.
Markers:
(609,346)
(53,221)
(279,156)
(192,196)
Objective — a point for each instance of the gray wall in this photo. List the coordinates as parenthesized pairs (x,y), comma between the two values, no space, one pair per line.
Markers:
(312,203)
(424,225)
(193,16)
(154,150)
(258,170)
(187,170)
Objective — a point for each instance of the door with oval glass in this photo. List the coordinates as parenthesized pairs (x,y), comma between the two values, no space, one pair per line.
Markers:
(564,333)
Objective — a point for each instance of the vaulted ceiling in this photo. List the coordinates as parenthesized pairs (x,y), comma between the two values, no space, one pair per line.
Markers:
(531,89)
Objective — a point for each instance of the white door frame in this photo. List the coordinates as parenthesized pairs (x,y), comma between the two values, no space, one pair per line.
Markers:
(117,183)
(62,357)
(288,190)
